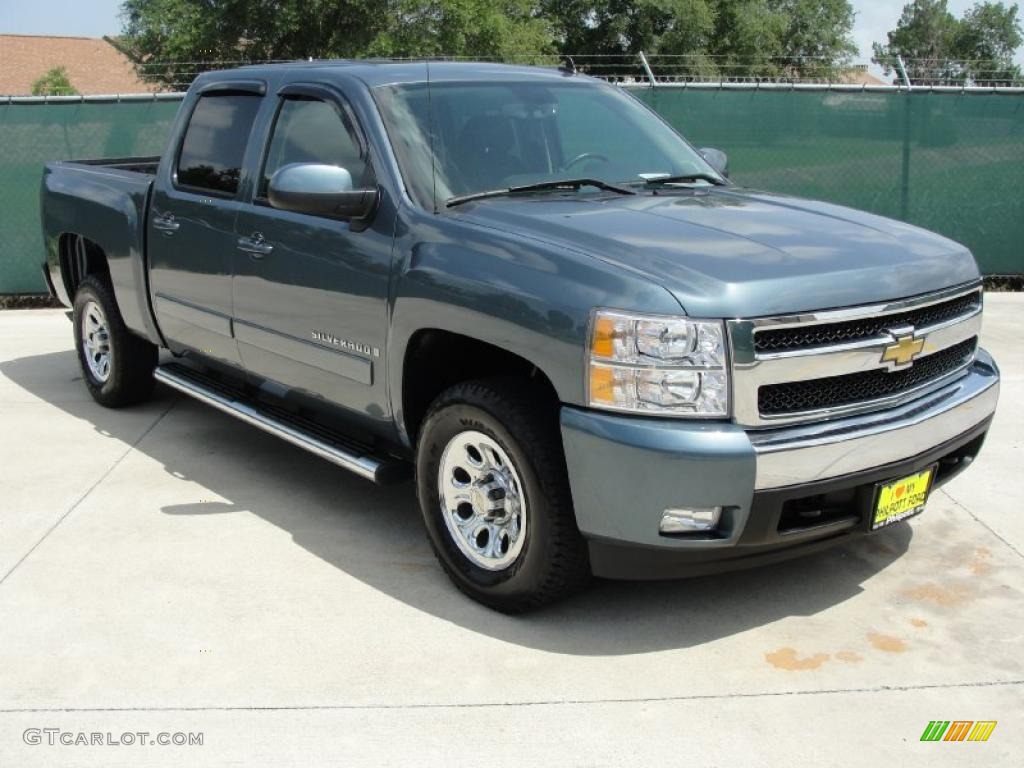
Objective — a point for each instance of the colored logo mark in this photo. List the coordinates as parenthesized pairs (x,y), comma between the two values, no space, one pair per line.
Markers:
(958,730)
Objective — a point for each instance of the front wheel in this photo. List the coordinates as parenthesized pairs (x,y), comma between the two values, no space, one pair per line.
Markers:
(495,498)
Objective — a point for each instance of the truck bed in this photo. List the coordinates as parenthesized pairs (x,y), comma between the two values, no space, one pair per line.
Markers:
(104,201)
(143,165)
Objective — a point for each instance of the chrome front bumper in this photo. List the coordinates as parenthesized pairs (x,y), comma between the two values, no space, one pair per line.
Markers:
(624,471)
(819,451)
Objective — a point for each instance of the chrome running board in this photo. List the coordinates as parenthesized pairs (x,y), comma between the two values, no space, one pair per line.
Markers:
(325,443)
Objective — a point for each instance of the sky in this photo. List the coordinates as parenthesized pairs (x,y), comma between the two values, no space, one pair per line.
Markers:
(94,18)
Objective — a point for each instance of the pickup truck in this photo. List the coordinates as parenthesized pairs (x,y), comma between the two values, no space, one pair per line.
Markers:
(595,354)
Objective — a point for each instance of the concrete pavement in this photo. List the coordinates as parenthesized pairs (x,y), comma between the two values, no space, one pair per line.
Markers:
(169,569)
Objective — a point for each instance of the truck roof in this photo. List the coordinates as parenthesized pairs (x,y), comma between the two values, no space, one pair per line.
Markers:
(376,72)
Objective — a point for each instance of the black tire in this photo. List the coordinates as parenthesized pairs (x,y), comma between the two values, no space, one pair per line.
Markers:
(131,358)
(519,417)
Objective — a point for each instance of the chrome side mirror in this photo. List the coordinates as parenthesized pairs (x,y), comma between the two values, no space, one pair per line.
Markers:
(320,190)
(717,159)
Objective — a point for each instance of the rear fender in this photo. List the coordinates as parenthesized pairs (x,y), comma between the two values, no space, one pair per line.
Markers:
(108,209)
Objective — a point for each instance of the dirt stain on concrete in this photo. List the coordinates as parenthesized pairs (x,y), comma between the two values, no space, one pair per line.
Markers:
(980,565)
(786,658)
(850,657)
(881,548)
(933,593)
(886,643)
(918,623)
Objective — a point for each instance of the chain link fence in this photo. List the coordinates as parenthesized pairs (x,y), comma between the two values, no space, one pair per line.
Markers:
(667,69)
(946,158)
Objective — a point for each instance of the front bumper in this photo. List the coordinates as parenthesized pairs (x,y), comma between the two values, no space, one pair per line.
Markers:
(783,491)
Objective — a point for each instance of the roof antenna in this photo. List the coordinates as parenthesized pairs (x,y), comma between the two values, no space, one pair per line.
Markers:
(568,65)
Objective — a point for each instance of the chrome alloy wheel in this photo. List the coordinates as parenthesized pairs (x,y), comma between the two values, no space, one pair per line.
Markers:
(482,500)
(96,341)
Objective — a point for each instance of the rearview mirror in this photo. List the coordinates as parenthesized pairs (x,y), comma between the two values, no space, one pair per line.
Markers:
(320,190)
(717,159)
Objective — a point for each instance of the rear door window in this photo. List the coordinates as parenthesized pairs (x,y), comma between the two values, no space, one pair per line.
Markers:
(214,144)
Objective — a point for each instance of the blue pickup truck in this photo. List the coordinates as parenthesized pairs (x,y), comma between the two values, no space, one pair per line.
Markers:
(594,353)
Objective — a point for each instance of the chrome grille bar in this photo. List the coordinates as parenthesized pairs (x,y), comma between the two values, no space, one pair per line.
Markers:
(752,369)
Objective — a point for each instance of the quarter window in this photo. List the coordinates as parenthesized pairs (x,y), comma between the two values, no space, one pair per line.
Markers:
(312,131)
(214,143)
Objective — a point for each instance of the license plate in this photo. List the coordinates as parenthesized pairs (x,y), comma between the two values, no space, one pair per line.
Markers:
(899,499)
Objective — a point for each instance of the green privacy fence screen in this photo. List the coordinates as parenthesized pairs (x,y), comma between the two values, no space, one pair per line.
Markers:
(952,162)
(948,161)
(33,134)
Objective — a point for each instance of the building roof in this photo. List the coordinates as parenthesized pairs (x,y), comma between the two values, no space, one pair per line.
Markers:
(861,76)
(93,64)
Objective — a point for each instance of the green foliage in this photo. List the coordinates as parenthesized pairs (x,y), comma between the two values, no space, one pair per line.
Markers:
(695,37)
(937,47)
(816,34)
(616,27)
(476,28)
(54,83)
(731,38)
(989,33)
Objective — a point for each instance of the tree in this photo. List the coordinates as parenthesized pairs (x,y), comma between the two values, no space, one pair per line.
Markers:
(816,36)
(987,37)
(502,29)
(737,38)
(217,31)
(779,37)
(54,83)
(624,27)
(773,38)
(936,47)
(173,39)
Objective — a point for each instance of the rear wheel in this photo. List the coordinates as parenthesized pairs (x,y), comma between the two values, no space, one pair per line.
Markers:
(117,366)
(495,498)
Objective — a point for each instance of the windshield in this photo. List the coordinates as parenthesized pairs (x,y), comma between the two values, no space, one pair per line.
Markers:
(496,135)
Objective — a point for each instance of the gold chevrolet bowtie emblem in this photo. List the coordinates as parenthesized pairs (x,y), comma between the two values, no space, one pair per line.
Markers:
(903,351)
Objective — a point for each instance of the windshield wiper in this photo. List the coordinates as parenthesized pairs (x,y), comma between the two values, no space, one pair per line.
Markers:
(653,180)
(540,186)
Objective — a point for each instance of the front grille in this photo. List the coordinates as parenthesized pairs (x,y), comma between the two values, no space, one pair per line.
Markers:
(781,339)
(834,391)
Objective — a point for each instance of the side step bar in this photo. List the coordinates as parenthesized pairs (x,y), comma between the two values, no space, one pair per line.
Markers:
(336,448)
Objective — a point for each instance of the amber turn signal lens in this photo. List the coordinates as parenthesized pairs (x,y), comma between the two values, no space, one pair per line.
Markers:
(602,385)
(602,343)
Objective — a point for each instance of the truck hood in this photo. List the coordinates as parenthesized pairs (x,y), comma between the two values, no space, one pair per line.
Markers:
(730,252)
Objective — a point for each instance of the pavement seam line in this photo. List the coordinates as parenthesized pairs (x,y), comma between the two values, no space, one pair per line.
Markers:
(538,703)
(981,522)
(87,492)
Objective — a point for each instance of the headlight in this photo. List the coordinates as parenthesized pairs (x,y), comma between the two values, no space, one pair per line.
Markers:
(670,366)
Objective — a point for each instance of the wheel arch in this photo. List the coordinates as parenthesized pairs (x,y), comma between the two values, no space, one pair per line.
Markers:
(80,257)
(436,359)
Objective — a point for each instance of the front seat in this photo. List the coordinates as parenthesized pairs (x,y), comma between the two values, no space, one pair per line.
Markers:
(486,152)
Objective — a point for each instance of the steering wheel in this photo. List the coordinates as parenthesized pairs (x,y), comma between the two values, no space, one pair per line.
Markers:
(585,156)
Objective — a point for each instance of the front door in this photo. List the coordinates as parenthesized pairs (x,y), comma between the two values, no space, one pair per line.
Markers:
(191,238)
(310,292)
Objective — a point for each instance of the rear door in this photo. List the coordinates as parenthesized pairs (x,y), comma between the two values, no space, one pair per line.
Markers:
(310,304)
(191,228)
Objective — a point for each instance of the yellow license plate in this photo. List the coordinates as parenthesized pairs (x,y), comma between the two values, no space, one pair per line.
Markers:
(901,498)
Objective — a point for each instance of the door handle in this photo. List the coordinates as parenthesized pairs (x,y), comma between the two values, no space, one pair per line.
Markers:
(255,245)
(166,223)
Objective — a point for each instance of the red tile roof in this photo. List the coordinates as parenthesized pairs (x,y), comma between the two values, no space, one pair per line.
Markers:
(93,64)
